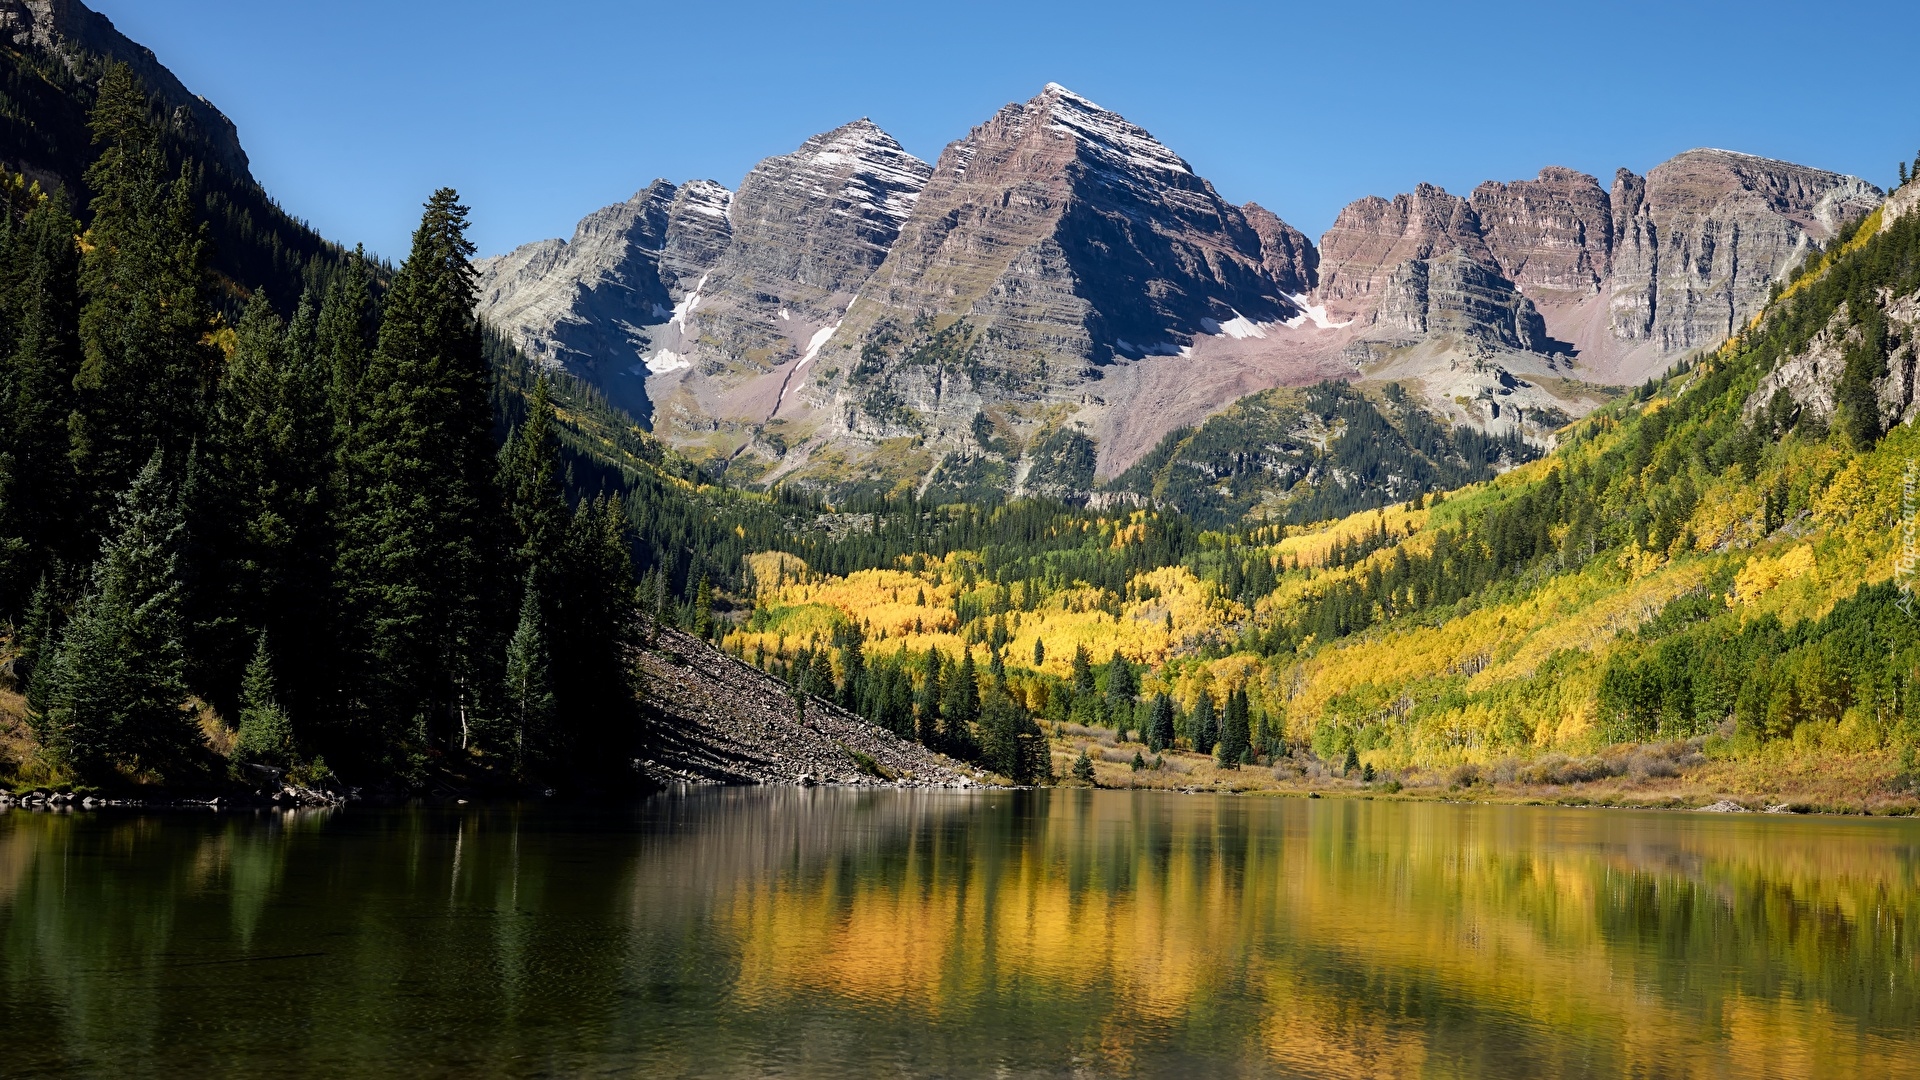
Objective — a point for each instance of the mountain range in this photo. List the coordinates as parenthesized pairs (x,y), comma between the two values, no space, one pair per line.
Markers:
(1057,303)
(1043,305)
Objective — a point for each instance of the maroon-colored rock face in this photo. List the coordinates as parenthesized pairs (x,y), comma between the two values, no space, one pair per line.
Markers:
(1290,258)
(1628,279)
(1059,270)
(1707,233)
(1059,223)
(1553,237)
(1373,236)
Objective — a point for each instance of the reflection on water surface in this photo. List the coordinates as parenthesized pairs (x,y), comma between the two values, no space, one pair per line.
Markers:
(847,934)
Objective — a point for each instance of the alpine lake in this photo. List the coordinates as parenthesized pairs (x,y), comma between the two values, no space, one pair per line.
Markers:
(842,933)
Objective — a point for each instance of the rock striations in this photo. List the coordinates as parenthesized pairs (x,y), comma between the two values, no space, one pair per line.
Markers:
(699,288)
(1502,304)
(1059,290)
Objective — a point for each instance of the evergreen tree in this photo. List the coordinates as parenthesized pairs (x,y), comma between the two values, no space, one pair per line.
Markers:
(592,629)
(531,482)
(1234,735)
(1083,683)
(416,522)
(1120,689)
(260,549)
(1160,723)
(265,735)
(529,696)
(1039,652)
(344,337)
(36,639)
(39,358)
(853,663)
(820,675)
(116,687)
(961,709)
(147,365)
(1011,744)
(703,609)
(1202,727)
(930,694)
(1083,767)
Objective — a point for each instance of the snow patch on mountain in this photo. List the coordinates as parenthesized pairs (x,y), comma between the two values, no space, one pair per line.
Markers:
(1108,134)
(1315,313)
(667,360)
(1239,328)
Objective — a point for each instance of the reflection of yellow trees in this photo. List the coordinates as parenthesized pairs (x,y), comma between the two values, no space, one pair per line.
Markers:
(1359,939)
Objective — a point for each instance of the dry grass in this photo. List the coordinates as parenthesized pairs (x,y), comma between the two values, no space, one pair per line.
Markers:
(1667,775)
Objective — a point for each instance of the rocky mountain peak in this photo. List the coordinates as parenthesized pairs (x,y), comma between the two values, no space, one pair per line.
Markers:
(877,173)
(74,32)
(1105,137)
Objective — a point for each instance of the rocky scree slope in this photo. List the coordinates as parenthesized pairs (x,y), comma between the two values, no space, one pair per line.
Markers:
(716,720)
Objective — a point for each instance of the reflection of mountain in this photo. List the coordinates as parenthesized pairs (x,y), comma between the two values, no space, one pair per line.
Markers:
(838,933)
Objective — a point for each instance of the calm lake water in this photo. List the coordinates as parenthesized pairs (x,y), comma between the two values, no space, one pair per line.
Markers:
(825,933)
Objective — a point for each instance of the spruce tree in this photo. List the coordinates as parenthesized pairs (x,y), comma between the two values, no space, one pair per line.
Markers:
(344,337)
(529,695)
(1202,727)
(1160,723)
(962,706)
(820,677)
(853,663)
(36,640)
(257,508)
(1120,689)
(1039,652)
(1083,683)
(1233,730)
(930,694)
(147,364)
(116,688)
(265,735)
(530,480)
(39,358)
(590,631)
(703,608)
(417,523)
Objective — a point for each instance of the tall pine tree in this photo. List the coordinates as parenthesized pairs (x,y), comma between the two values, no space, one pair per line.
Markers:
(147,364)
(39,357)
(419,507)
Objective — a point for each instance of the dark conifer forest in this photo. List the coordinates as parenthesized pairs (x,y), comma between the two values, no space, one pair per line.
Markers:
(307,524)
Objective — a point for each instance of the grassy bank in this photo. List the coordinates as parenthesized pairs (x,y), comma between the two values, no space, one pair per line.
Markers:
(1686,775)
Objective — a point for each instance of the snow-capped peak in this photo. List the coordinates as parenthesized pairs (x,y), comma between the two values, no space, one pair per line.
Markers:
(1107,134)
(877,171)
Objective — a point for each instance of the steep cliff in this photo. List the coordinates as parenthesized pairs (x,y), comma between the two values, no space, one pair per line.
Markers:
(1510,305)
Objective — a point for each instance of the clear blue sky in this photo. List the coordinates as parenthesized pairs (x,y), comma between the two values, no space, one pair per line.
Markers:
(354,110)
